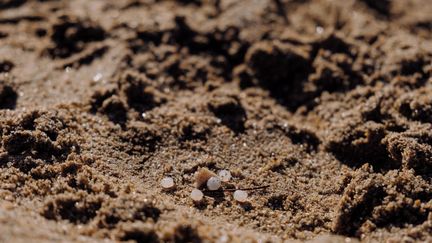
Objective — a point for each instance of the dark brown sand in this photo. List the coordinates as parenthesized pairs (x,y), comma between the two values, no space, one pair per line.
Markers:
(328,103)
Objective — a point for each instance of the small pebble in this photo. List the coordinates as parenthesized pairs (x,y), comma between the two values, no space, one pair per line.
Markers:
(240,196)
(97,77)
(196,195)
(167,183)
(213,183)
(224,175)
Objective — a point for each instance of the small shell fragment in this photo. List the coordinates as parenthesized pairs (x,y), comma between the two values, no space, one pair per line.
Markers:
(240,196)
(214,183)
(224,175)
(202,176)
(197,195)
(167,182)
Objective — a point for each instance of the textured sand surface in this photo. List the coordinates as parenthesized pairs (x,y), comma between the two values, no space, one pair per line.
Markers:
(327,103)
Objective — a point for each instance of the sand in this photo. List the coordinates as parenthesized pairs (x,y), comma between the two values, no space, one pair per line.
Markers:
(325,107)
